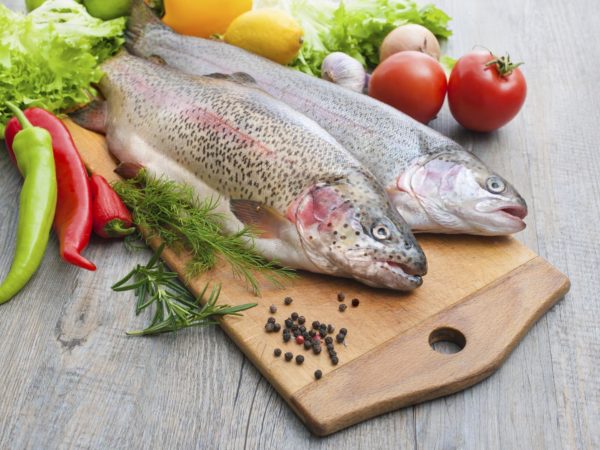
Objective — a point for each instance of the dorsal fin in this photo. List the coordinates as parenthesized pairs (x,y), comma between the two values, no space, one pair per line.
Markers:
(237,77)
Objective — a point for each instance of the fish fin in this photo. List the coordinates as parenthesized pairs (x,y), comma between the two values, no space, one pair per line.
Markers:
(237,77)
(140,17)
(92,117)
(157,60)
(265,221)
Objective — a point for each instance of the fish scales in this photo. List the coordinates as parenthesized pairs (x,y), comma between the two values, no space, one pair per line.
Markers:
(432,180)
(314,205)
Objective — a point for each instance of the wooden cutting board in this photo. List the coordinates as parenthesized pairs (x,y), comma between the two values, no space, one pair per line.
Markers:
(482,294)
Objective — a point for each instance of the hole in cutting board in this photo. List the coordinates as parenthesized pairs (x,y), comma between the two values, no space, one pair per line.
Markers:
(447,340)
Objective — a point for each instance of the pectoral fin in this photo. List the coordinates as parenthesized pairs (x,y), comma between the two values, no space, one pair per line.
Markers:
(265,221)
(92,117)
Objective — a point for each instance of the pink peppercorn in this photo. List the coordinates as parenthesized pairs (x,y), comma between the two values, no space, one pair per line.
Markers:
(300,340)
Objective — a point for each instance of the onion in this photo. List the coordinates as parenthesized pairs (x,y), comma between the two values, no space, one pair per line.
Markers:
(410,37)
(344,70)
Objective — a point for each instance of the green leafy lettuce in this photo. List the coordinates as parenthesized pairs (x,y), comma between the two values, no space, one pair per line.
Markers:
(51,57)
(355,27)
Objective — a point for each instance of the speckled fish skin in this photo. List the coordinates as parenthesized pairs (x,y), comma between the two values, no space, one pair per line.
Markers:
(392,145)
(235,142)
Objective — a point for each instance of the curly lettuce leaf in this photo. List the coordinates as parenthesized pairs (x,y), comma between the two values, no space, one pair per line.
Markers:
(355,27)
(51,57)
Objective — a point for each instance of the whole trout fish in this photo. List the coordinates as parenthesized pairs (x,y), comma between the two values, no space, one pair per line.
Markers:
(435,184)
(314,205)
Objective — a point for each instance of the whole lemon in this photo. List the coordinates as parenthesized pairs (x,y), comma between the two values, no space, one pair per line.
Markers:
(203,18)
(271,33)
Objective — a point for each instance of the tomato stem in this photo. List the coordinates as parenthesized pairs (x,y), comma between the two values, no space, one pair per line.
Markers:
(504,65)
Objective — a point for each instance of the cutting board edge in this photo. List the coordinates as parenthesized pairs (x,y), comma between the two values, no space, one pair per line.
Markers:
(330,417)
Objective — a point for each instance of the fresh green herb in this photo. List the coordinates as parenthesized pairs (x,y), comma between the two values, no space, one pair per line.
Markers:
(355,27)
(174,307)
(448,62)
(50,57)
(173,212)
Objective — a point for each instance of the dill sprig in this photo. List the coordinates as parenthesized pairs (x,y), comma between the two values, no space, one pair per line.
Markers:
(175,307)
(173,212)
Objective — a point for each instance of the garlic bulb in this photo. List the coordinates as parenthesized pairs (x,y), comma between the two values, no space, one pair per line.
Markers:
(344,70)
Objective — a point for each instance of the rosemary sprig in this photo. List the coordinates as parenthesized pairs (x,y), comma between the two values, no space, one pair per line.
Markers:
(175,308)
(173,212)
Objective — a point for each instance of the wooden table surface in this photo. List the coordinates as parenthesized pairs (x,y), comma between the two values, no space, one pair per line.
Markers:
(70,378)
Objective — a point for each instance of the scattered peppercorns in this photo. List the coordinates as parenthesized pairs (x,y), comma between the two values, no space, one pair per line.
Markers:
(271,320)
(289,356)
(288,300)
(316,349)
(301,320)
(330,329)
(288,323)
(329,340)
(270,327)
(299,359)
(307,344)
(318,374)
(355,302)
(272,309)
(276,327)
(343,331)
(286,337)
(277,352)
(299,340)
(342,307)
(341,296)
(340,338)
(294,316)
(335,360)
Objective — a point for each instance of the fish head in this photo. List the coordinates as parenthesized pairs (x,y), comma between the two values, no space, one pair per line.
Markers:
(346,232)
(456,191)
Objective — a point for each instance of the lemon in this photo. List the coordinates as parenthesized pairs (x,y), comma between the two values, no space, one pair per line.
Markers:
(203,18)
(271,33)
(107,9)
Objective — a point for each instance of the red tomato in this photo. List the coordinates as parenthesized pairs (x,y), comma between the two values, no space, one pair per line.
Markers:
(484,98)
(412,82)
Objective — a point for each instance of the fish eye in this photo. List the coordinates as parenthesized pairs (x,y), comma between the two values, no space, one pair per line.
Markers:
(495,185)
(380,232)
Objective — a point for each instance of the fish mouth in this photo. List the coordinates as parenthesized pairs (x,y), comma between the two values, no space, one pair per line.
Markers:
(407,273)
(518,212)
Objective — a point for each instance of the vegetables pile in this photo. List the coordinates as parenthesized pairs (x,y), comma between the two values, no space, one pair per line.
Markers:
(50,57)
(355,27)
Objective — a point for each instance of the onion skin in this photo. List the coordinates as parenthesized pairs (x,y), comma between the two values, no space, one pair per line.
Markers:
(344,71)
(410,37)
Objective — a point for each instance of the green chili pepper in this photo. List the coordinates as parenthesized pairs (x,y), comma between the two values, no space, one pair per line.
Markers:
(33,151)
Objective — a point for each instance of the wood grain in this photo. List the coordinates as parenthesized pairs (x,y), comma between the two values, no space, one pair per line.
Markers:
(110,391)
(459,267)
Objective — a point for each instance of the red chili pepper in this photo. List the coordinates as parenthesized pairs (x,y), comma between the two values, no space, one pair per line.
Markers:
(111,217)
(73,218)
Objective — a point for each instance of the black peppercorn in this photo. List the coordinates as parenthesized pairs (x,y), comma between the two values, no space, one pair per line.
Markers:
(301,320)
(316,325)
(341,296)
(272,309)
(329,340)
(355,302)
(294,316)
(288,356)
(312,333)
(318,374)
(276,327)
(288,323)
(299,359)
(277,352)
(296,333)
(340,338)
(330,329)
(269,327)
(271,320)
(342,307)
(294,327)
(317,349)
(288,300)
(343,331)
(302,328)
(286,337)
(335,360)
(329,346)
(307,344)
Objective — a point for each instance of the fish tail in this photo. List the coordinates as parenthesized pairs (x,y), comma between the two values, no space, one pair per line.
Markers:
(141,17)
